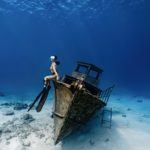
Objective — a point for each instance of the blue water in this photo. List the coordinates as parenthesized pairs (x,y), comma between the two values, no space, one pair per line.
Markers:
(111,34)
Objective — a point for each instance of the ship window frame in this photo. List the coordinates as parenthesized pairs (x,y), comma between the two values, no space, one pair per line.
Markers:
(96,76)
(82,66)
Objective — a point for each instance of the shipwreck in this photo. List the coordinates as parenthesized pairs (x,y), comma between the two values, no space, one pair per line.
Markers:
(77,97)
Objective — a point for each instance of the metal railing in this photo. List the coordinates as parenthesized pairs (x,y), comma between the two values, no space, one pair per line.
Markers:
(104,96)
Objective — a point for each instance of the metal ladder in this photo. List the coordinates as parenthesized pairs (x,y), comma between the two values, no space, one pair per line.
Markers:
(106,118)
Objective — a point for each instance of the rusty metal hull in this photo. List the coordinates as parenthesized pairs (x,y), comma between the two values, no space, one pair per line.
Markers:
(72,109)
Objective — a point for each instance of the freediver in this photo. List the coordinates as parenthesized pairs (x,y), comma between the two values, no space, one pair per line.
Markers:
(47,79)
(53,70)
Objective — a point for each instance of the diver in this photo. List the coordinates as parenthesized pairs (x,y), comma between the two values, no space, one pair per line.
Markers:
(47,79)
(53,70)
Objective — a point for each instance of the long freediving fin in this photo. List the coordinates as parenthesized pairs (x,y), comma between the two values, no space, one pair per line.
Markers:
(36,99)
(43,99)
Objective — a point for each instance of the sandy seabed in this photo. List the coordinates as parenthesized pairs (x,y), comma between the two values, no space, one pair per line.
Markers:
(130,130)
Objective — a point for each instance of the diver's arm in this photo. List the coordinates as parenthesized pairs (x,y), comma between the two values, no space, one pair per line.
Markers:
(51,68)
(54,69)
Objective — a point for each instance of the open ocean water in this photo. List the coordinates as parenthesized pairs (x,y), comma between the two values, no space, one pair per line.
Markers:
(112,34)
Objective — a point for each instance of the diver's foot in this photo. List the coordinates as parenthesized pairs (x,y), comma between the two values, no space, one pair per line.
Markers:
(45,85)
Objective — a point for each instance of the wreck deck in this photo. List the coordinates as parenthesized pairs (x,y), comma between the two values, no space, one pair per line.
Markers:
(72,109)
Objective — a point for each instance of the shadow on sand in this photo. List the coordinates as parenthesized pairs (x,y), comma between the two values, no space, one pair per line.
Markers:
(93,136)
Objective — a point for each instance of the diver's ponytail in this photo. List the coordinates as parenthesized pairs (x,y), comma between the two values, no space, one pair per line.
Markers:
(57,62)
(55,57)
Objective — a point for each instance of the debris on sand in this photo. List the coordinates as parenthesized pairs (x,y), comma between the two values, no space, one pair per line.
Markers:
(9,137)
(17,106)
(6,104)
(26,143)
(91,142)
(7,143)
(129,109)
(27,118)
(41,136)
(146,116)
(20,106)
(9,113)
(124,115)
(6,130)
(1,131)
(116,112)
(107,140)
(139,101)
(16,128)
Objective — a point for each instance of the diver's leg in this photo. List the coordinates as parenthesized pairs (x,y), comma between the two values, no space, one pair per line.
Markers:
(47,79)
(47,87)
(36,99)
(43,99)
